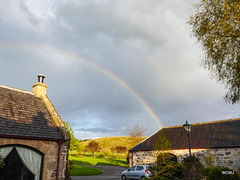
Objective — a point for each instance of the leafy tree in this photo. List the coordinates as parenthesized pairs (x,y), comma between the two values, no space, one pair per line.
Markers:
(121,149)
(93,146)
(74,143)
(215,24)
(209,159)
(161,144)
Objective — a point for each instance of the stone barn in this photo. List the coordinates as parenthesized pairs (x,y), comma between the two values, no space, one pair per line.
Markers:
(33,140)
(218,139)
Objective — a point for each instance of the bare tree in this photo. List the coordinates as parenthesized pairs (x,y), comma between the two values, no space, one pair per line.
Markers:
(136,134)
(137,131)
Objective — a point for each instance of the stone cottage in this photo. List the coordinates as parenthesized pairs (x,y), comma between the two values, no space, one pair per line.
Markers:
(218,139)
(33,139)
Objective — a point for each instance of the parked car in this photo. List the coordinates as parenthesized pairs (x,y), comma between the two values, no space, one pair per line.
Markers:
(137,172)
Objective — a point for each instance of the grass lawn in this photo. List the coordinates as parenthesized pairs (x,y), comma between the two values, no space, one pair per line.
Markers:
(97,161)
(84,171)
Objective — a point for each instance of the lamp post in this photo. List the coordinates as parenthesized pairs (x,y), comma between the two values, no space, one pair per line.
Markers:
(187,127)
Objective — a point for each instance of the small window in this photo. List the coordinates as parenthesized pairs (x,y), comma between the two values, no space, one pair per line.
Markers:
(132,168)
(140,168)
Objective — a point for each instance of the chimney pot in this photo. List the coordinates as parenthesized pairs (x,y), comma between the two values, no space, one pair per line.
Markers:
(41,78)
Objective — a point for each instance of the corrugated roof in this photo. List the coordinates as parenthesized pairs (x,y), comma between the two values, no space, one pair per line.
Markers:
(216,134)
(23,114)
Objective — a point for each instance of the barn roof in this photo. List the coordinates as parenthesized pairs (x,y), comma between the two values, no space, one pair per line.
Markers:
(216,134)
(25,115)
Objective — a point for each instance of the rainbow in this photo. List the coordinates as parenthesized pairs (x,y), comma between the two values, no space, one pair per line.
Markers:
(77,58)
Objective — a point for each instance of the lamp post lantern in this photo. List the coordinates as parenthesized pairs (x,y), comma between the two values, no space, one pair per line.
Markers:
(187,127)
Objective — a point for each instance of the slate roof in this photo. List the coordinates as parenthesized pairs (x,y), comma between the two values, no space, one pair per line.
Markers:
(217,134)
(22,114)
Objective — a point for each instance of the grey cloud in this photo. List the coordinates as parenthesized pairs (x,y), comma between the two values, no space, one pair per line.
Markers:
(145,44)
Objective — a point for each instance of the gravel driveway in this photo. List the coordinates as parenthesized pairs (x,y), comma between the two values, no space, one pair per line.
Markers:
(109,172)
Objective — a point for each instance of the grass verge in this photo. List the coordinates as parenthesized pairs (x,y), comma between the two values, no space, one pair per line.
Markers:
(97,161)
(84,171)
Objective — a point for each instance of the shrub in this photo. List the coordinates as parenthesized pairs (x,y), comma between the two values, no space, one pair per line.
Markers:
(162,158)
(121,149)
(216,173)
(100,155)
(114,156)
(2,162)
(192,168)
(168,170)
(209,159)
(70,164)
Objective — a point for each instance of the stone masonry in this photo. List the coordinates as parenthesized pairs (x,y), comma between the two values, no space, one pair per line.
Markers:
(223,157)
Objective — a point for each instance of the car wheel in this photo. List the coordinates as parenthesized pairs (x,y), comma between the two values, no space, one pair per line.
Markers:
(124,177)
(143,178)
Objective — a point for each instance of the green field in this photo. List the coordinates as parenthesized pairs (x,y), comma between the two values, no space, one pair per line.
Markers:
(84,171)
(98,161)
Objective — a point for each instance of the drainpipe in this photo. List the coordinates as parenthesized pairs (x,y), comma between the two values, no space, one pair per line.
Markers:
(59,156)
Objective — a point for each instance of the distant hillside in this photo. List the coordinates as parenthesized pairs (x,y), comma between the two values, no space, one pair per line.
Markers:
(110,142)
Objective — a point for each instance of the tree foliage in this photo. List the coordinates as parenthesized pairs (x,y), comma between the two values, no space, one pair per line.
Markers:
(216,25)
(74,143)
(121,149)
(161,144)
(93,146)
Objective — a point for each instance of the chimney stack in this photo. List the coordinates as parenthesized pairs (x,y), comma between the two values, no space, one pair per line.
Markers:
(39,88)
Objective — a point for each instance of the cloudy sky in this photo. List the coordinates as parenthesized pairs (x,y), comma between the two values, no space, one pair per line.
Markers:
(111,64)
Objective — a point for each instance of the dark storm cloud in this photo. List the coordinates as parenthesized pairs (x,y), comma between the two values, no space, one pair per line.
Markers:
(145,43)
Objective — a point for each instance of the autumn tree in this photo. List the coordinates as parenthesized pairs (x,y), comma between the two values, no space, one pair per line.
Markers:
(161,144)
(93,147)
(216,25)
(121,149)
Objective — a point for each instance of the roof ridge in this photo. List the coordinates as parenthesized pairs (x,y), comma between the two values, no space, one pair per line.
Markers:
(15,89)
(200,123)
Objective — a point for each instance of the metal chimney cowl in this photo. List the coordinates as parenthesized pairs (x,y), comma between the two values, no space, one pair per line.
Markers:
(41,78)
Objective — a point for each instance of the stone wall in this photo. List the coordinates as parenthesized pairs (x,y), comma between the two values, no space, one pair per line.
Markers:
(50,151)
(223,157)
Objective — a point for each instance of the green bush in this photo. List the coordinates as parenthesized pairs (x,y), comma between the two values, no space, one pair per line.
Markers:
(100,155)
(114,156)
(192,168)
(167,170)
(216,173)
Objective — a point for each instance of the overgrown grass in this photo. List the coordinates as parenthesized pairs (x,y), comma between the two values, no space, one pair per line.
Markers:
(97,161)
(110,142)
(84,171)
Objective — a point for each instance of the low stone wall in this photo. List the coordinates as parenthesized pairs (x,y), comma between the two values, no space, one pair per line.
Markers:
(223,157)
(50,151)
